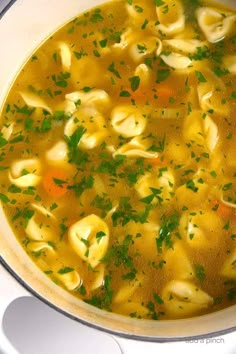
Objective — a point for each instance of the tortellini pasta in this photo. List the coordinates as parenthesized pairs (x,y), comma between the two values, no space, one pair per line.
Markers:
(7,131)
(199,233)
(67,106)
(129,121)
(89,237)
(133,307)
(33,100)
(126,38)
(25,173)
(99,98)
(212,94)
(175,148)
(37,246)
(147,232)
(183,298)
(65,54)
(81,71)
(37,231)
(176,60)
(144,73)
(171,18)
(126,292)
(201,129)
(57,155)
(188,46)
(71,280)
(43,210)
(41,227)
(214,23)
(177,263)
(136,16)
(137,147)
(194,191)
(95,131)
(144,47)
(229,62)
(163,182)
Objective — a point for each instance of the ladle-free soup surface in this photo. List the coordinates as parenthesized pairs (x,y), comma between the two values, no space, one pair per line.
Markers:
(117,158)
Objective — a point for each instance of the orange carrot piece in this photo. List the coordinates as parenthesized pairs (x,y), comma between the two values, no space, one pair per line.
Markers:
(222,210)
(164,92)
(55,182)
(158,161)
(139,95)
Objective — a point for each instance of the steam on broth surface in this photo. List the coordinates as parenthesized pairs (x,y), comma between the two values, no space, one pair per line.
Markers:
(117,150)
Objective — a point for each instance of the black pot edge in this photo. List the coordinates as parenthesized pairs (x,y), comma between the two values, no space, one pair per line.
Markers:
(6,8)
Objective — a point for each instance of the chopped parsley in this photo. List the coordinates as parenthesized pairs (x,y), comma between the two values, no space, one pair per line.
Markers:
(168,228)
(199,272)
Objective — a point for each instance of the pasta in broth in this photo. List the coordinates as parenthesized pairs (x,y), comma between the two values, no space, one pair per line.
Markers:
(118,157)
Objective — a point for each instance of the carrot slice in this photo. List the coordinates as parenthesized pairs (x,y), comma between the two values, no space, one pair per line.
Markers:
(158,161)
(163,92)
(222,210)
(55,182)
(139,95)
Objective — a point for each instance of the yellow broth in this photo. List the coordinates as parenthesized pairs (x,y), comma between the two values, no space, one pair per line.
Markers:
(117,158)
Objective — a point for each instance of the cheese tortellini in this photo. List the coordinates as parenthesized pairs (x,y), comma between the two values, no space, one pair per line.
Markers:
(171,21)
(128,121)
(7,131)
(65,54)
(182,298)
(57,154)
(163,183)
(41,231)
(25,173)
(98,98)
(34,100)
(177,263)
(71,280)
(214,23)
(201,129)
(176,60)
(89,237)
(95,131)
(144,47)
(136,147)
(197,230)
(212,94)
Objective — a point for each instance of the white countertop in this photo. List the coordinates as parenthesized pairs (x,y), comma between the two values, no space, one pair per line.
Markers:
(34,328)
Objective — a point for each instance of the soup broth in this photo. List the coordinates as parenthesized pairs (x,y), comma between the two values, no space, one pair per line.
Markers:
(117,157)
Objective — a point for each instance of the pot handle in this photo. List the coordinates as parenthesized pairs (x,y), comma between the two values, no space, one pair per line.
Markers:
(10,290)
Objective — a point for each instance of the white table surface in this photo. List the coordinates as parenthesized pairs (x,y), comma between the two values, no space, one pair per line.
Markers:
(34,328)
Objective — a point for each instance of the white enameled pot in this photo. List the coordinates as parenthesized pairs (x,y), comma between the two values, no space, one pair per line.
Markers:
(22,28)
